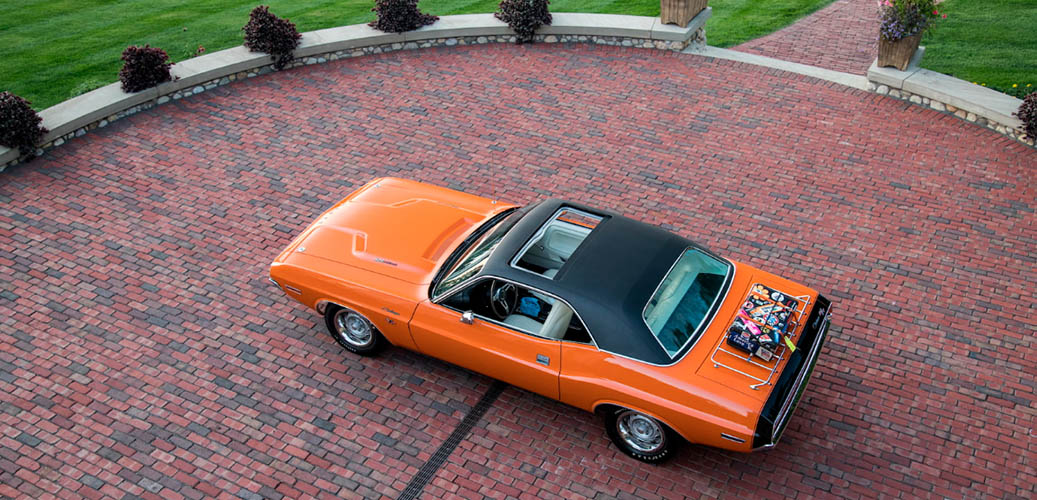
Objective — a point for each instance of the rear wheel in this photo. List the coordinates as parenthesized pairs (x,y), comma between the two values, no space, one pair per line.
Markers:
(353,331)
(640,435)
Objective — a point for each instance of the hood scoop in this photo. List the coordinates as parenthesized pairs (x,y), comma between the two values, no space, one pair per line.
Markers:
(403,239)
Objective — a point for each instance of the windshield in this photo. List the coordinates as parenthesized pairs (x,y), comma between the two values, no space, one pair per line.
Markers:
(685,298)
(473,259)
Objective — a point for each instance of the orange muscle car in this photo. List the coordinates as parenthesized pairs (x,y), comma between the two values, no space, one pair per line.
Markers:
(664,339)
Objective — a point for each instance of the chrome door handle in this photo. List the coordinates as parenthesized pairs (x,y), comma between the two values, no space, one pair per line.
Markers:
(544,360)
(468,317)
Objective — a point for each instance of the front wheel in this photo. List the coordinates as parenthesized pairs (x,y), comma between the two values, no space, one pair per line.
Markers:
(353,331)
(640,436)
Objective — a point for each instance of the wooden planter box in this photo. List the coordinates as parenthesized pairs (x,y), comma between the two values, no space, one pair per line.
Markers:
(679,12)
(898,54)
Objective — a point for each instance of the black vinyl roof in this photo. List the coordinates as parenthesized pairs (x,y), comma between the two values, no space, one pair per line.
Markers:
(608,279)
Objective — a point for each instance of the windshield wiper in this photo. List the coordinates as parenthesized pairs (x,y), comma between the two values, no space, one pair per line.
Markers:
(460,250)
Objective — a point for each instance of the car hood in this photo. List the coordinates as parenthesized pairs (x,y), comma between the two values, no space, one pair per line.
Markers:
(397,228)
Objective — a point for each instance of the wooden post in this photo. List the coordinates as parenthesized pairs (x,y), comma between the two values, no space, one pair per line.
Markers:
(679,12)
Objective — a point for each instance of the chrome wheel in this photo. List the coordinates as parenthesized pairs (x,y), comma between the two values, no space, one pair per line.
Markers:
(353,331)
(353,328)
(640,432)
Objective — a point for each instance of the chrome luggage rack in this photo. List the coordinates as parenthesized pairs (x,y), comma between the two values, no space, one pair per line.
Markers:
(764,370)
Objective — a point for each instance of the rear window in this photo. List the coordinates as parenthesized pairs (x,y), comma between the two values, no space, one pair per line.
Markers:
(552,245)
(685,298)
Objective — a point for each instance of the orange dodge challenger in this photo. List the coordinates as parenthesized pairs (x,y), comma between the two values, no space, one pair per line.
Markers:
(664,339)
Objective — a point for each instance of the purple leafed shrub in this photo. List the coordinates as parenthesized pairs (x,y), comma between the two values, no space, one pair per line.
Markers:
(1028,114)
(524,17)
(268,33)
(19,124)
(397,16)
(143,68)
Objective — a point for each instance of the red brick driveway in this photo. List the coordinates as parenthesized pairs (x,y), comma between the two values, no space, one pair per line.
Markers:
(143,353)
(842,36)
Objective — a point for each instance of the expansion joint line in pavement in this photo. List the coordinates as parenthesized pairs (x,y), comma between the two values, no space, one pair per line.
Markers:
(435,462)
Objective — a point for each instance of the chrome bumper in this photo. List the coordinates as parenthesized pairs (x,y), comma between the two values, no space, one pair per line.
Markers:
(798,386)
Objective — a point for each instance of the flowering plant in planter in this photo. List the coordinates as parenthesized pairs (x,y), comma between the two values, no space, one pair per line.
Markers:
(903,22)
(904,18)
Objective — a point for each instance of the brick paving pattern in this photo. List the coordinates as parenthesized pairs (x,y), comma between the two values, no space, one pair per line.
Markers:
(840,37)
(143,353)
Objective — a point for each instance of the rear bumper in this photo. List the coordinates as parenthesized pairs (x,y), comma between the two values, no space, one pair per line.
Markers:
(793,381)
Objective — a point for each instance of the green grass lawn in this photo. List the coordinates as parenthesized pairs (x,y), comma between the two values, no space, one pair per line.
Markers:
(51,50)
(738,21)
(990,42)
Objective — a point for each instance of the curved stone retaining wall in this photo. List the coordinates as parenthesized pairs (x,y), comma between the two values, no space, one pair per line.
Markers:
(98,108)
(970,102)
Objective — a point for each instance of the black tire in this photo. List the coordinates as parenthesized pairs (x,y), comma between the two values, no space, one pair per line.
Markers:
(353,331)
(640,436)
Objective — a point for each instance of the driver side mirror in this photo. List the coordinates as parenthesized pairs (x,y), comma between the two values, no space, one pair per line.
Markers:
(468,317)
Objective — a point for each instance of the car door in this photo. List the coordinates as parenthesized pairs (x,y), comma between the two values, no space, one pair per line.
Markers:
(486,345)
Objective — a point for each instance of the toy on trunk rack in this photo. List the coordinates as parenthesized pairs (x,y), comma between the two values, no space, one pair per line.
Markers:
(761,334)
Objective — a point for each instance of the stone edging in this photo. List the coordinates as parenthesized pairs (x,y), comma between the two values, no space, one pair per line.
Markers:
(848,79)
(98,108)
(970,102)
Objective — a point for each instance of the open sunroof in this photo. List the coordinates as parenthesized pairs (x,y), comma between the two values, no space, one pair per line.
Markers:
(552,245)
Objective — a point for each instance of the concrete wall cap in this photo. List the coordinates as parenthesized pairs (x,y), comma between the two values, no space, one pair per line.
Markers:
(7,155)
(892,77)
(212,66)
(672,32)
(574,23)
(90,107)
(343,38)
(948,90)
(982,101)
(847,79)
(461,25)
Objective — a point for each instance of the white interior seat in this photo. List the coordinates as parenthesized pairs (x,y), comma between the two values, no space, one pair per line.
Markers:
(525,323)
(554,327)
(557,321)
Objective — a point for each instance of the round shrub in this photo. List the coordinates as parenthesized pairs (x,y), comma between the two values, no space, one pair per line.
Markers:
(524,17)
(143,68)
(397,16)
(19,125)
(1028,114)
(268,33)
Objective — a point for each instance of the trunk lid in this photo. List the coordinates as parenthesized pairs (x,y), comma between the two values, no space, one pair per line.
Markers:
(748,306)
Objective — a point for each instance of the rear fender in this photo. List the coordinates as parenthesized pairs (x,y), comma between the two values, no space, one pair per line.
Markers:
(689,428)
(602,407)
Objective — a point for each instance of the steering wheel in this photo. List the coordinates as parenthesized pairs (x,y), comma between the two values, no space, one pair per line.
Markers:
(503,298)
